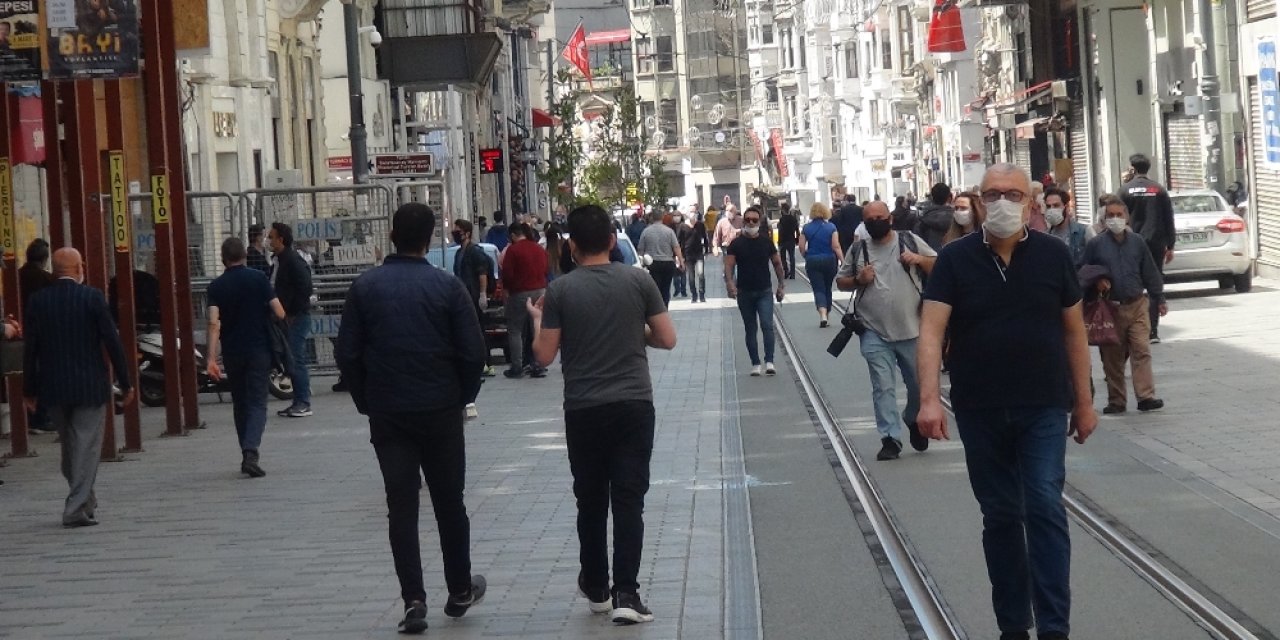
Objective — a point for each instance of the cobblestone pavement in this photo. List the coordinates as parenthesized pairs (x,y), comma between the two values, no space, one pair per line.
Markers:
(187,548)
(1216,371)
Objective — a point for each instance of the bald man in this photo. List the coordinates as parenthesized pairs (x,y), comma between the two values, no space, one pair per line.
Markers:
(69,328)
(1019,361)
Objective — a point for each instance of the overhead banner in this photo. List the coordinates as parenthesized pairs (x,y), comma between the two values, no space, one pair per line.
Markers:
(19,40)
(92,38)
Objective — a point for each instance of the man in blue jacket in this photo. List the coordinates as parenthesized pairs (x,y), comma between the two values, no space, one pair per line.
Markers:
(69,327)
(412,353)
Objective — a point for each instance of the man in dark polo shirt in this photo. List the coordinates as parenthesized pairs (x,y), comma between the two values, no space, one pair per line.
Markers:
(241,303)
(1019,362)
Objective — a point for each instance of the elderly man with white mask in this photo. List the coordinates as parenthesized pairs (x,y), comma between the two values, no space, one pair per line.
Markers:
(1019,362)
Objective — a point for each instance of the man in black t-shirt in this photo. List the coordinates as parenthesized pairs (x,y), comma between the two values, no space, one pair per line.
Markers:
(751,253)
(1019,362)
(471,265)
(241,304)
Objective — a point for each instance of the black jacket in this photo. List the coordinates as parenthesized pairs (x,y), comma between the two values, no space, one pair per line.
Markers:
(693,241)
(788,230)
(410,340)
(1150,211)
(934,222)
(847,221)
(293,282)
(66,329)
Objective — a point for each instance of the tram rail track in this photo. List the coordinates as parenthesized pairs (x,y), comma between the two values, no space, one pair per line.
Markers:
(922,593)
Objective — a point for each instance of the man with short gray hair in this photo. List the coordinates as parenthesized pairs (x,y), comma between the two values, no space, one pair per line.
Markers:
(1019,362)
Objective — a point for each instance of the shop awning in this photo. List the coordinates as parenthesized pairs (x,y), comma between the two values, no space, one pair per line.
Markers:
(1026,129)
(608,37)
(542,119)
(1024,99)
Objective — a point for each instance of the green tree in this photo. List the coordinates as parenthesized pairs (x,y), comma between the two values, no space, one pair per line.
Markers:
(619,160)
(564,153)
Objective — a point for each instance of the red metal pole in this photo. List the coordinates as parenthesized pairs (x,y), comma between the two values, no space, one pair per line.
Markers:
(53,173)
(167,57)
(8,243)
(162,179)
(122,240)
(76,192)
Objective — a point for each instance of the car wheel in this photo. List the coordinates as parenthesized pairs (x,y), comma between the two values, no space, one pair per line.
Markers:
(1244,282)
(1226,282)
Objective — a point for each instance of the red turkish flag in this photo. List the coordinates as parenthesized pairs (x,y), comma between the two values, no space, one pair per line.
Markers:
(946,33)
(575,51)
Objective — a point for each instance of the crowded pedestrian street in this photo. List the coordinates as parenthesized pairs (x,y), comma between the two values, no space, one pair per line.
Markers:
(752,527)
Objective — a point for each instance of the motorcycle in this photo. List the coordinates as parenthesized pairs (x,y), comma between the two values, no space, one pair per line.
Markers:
(151,372)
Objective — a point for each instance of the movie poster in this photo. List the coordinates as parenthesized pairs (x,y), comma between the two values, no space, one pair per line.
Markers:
(92,38)
(19,40)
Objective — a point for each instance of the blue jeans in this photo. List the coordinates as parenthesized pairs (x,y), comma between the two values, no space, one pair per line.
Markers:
(788,254)
(248,376)
(822,272)
(299,327)
(1017,466)
(681,281)
(757,311)
(881,356)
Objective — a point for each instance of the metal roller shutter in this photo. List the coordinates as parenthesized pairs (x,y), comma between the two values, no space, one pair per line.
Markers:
(1082,170)
(1184,154)
(1022,154)
(1259,9)
(1264,198)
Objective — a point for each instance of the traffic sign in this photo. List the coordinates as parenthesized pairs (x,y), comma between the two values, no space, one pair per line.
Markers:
(403,164)
(491,160)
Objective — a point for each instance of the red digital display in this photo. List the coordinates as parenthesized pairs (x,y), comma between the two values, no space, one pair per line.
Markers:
(491,160)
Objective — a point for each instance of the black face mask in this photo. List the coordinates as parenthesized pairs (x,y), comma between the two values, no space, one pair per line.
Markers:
(457,237)
(878,228)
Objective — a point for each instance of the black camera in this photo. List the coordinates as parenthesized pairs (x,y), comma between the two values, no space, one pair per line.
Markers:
(851,324)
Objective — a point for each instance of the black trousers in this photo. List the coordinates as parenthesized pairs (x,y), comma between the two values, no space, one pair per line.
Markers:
(663,273)
(1157,252)
(788,253)
(609,450)
(431,444)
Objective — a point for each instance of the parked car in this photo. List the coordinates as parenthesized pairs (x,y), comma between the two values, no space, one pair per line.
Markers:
(1213,242)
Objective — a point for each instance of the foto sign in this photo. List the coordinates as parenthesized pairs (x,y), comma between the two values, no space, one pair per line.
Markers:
(119,203)
(160,198)
(403,164)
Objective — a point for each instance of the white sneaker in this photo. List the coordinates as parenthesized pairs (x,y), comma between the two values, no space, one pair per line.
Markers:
(472,413)
(769,370)
(755,371)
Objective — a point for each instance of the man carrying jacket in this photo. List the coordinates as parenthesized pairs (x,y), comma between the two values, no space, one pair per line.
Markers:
(291,278)
(411,349)
(1150,216)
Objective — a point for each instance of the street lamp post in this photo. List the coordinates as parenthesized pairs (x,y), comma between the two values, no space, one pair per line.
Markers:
(359,136)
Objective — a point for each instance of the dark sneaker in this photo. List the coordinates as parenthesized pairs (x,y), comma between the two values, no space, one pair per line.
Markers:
(1053,635)
(890,450)
(627,609)
(918,441)
(538,372)
(249,465)
(1154,339)
(1114,408)
(415,618)
(514,375)
(457,605)
(597,598)
(1015,635)
(1150,404)
(39,430)
(296,411)
(340,386)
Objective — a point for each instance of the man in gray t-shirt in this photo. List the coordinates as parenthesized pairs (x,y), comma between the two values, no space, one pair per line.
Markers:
(601,316)
(888,272)
(659,242)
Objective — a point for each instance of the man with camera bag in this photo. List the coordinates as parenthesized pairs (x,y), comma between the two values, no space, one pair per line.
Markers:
(888,271)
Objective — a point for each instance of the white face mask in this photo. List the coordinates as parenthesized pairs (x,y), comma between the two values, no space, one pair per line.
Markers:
(1116,225)
(1004,218)
(1054,216)
(751,231)
(963,217)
